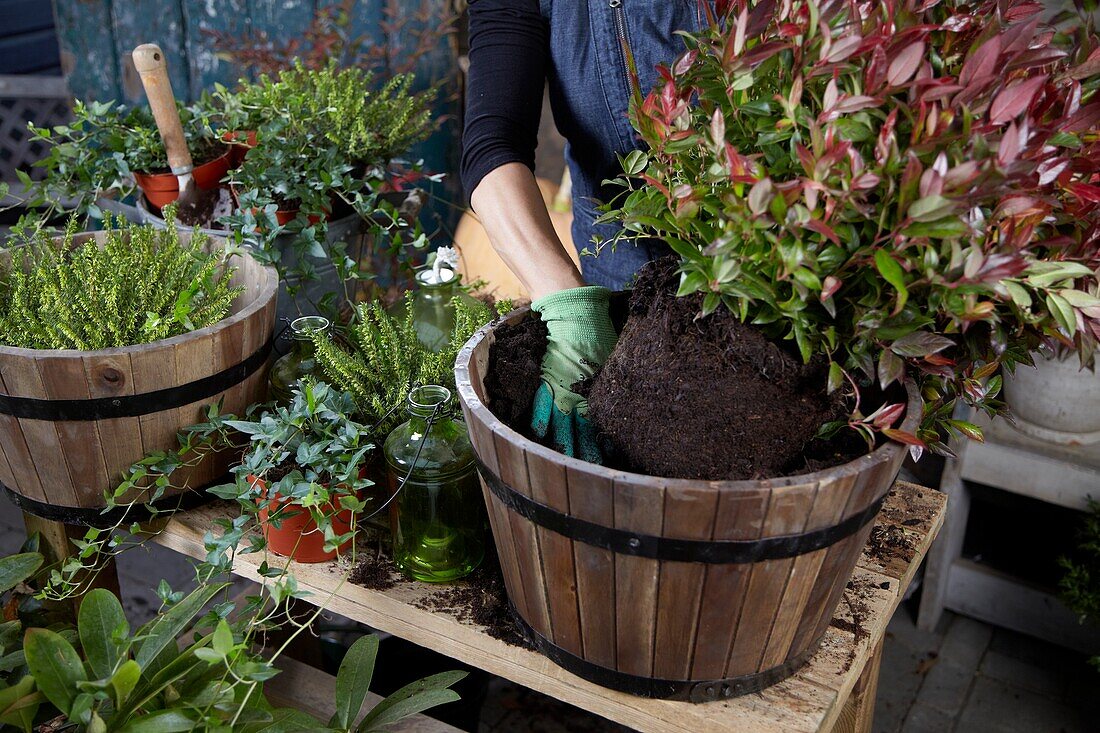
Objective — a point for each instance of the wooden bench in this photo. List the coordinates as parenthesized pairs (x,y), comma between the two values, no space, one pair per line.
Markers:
(834,692)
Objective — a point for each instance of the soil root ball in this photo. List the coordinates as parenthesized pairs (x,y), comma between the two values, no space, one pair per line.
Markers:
(706,398)
(515,370)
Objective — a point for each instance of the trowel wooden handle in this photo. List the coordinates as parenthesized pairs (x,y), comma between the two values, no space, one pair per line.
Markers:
(151,66)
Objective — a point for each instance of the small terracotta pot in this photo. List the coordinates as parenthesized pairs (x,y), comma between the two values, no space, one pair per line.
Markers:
(240,142)
(282,216)
(161,189)
(297,535)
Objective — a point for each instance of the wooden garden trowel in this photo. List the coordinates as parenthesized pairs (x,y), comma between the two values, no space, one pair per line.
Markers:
(150,62)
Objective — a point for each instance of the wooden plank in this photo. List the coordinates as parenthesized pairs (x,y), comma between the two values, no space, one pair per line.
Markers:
(17,456)
(88,51)
(548,486)
(740,516)
(689,514)
(135,22)
(313,691)
(593,499)
(1000,599)
(513,472)
(811,700)
(639,507)
(33,87)
(1031,474)
(281,20)
(81,450)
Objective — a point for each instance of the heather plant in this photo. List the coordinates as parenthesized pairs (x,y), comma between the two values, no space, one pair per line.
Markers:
(384,358)
(140,284)
(904,189)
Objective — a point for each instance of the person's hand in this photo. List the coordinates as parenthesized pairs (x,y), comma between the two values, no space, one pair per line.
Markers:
(580,338)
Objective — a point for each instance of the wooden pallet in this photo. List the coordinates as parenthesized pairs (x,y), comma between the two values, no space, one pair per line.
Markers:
(812,700)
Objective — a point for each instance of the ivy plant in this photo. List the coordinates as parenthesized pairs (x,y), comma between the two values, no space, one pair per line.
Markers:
(905,188)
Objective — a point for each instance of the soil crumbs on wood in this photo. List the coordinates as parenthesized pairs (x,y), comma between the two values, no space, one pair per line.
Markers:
(479,599)
(857,594)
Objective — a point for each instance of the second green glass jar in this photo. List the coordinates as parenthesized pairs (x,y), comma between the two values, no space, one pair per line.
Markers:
(439,521)
(300,361)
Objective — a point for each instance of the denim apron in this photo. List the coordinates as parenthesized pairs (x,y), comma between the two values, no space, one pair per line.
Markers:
(590,92)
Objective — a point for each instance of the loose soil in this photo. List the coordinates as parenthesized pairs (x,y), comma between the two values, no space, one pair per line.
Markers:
(515,365)
(707,398)
(479,599)
(199,211)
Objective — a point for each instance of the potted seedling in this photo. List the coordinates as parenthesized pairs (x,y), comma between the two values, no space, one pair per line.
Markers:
(309,191)
(111,150)
(110,343)
(303,469)
(874,209)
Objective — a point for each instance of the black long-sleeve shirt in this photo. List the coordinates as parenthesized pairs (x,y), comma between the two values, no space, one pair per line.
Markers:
(509,49)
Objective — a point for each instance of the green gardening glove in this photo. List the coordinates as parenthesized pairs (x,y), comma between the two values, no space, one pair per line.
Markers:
(580,338)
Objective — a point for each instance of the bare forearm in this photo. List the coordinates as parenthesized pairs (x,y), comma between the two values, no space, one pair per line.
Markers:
(510,206)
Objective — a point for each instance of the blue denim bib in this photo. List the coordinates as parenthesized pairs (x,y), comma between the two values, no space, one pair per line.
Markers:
(590,93)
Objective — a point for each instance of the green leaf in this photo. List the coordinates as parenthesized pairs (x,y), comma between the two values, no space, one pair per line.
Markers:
(222,641)
(280,720)
(162,721)
(635,162)
(691,282)
(379,715)
(1079,299)
(1065,140)
(930,208)
(836,377)
(946,228)
(892,273)
(19,704)
(1062,312)
(124,680)
(100,619)
(1018,293)
(353,681)
(410,706)
(55,665)
(14,569)
(163,631)
(921,343)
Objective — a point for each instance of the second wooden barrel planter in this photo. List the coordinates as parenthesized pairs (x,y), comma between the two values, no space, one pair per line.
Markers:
(72,422)
(669,588)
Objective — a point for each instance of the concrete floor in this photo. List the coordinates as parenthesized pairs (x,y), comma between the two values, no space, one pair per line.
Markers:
(966,676)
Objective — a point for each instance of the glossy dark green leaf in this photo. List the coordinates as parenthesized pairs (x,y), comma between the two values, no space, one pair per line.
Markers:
(101,623)
(56,667)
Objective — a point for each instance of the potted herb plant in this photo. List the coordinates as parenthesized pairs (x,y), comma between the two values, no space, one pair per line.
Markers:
(304,470)
(874,209)
(110,342)
(109,149)
(310,190)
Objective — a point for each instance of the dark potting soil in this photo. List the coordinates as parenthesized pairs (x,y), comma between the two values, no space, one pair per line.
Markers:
(199,211)
(707,398)
(479,599)
(515,365)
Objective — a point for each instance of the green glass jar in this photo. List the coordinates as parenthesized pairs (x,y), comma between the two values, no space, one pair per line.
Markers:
(433,312)
(438,521)
(300,361)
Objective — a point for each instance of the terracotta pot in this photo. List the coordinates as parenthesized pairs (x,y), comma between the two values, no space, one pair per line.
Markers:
(282,216)
(161,189)
(240,142)
(297,535)
(669,588)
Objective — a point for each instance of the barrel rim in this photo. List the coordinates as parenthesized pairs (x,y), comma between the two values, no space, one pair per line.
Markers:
(887,452)
(268,291)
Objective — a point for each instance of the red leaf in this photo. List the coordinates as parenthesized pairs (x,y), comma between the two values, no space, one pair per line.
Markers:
(982,62)
(829,286)
(905,64)
(1085,192)
(903,437)
(1009,149)
(887,415)
(1015,99)
(823,229)
(856,103)
(921,343)
(843,48)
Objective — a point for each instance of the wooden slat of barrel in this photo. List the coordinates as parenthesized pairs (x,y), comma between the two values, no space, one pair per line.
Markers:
(513,472)
(828,508)
(17,457)
(787,514)
(43,444)
(740,516)
(690,513)
(195,360)
(82,452)
(638,507)
(112,376)
(548,487)
(591,497)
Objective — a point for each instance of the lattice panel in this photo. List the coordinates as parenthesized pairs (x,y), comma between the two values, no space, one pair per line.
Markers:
(17,151)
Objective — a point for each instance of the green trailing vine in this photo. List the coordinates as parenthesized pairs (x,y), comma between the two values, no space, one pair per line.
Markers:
(141,284)
(1080,583)
(383,359)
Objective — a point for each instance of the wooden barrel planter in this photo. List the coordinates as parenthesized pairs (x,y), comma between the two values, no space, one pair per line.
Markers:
(72,422)
(669,588)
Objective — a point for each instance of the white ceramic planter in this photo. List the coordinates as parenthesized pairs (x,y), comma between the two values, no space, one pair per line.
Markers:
(1056,401)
